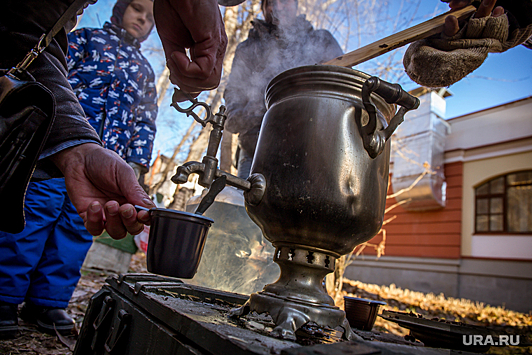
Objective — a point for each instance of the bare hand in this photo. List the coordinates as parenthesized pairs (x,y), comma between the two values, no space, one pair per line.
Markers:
(103,189)
(485,9)
(196,25)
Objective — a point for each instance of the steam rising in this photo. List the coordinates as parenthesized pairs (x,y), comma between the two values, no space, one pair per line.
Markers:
(269,51)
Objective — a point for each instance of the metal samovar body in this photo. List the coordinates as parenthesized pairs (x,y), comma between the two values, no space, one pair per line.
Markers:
(318,183)
(323,189)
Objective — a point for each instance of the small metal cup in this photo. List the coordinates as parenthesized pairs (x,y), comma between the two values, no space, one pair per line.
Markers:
(176,242)
(361,313)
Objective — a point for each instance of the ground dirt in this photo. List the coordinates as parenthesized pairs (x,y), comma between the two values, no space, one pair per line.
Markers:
(430,306)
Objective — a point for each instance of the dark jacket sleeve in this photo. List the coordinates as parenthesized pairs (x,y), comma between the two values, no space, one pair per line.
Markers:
(22,24)
(70,125)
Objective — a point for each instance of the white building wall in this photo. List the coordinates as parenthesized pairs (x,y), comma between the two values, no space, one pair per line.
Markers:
(496,269)
(491,143)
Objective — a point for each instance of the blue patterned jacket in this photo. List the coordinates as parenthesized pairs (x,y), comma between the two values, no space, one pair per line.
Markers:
(115,84)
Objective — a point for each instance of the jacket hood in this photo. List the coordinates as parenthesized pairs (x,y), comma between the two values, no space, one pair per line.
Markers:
(118,14)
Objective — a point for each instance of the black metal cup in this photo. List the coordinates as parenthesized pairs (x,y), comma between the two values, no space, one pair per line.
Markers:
(176,242)
(361,313)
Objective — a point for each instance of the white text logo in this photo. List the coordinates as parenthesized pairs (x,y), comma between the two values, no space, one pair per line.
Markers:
(501,340)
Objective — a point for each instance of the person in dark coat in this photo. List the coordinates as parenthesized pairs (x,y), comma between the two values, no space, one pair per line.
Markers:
(115,85)
(280,42)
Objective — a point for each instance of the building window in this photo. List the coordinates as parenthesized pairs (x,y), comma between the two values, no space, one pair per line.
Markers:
(504,204)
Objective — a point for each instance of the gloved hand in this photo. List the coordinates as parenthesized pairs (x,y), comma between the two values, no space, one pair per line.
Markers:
(438,62)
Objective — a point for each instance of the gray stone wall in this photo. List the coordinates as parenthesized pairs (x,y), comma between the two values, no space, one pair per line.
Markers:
(495,282)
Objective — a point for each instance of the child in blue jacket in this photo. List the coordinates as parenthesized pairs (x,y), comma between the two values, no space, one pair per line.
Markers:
(115,85)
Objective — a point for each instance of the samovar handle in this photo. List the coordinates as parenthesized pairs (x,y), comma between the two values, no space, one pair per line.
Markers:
(375,140)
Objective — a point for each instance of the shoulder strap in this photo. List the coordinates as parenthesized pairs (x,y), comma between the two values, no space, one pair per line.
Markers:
(47,37)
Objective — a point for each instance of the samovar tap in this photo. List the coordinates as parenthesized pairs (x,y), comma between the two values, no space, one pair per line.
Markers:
(207,170)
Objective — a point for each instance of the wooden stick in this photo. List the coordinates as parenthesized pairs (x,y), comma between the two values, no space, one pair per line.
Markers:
(423,30)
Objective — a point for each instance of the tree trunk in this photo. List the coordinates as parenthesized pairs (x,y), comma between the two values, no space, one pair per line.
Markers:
(181,196)
(162,85)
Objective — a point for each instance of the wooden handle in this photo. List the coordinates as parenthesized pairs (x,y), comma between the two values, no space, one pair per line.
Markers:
(423,30)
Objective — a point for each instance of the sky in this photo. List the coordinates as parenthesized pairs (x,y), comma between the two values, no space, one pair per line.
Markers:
(504,77)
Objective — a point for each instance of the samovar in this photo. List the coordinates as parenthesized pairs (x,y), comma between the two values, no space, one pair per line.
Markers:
(318,182)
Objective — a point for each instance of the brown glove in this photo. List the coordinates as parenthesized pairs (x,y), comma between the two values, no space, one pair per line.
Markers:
(438,62)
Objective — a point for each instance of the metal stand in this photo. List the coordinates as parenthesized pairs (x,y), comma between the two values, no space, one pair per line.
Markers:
(298,297)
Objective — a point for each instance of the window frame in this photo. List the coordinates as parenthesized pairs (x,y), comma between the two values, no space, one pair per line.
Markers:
(489,196)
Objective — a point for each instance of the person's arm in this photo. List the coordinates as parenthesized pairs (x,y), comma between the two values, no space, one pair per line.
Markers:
(197,26)
(443,60)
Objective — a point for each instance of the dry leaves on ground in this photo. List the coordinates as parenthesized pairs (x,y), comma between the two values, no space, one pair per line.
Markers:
(32,342)
(441,307)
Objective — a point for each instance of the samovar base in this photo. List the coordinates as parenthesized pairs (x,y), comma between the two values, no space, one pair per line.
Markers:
(290,315)
(298,296)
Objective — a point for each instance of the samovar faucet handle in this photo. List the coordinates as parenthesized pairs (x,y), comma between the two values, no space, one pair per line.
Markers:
(207,170)
(190,110)
(375,140)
